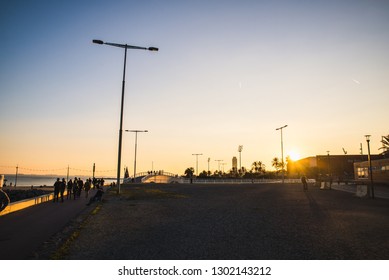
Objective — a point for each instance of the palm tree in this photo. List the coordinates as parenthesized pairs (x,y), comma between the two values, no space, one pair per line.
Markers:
(189,172)
(385,145)
(254,166)
(258,166)
(277,164)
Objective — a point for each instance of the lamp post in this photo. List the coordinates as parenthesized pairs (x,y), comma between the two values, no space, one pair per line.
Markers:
(136,145)
(125,47)
(282,151)
(371,189)
(329,170)
(240,148)
(218,164)
(197,162)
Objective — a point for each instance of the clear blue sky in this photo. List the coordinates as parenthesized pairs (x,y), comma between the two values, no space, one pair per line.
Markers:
(228,73)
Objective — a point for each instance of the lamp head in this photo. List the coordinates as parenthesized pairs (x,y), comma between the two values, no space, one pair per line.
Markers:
(98,42)
(153,49)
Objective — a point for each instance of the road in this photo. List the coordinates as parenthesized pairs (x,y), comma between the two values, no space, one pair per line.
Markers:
(22,233)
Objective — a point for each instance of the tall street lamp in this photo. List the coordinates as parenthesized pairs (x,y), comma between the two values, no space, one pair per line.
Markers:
(218,164)
(370,167)
(136,145)
(197,162)
(282,152)
(125,47)
(240,148)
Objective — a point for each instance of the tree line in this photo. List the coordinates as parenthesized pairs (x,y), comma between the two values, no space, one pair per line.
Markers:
(256,171)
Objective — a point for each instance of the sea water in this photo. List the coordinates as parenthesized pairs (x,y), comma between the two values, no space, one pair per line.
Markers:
(30,180)
(38,180)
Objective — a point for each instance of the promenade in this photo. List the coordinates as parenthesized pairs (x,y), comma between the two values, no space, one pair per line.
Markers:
(23,233)
(252,221)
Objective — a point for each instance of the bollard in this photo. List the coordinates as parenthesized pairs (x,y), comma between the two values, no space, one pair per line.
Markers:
(362,191)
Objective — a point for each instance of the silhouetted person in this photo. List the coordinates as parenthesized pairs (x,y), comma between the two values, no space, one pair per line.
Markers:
(69,188)
(80,184)
(305,183)
(62,188)
(98,195)
(57,186)
(4,199)
(75,187)
(87,187)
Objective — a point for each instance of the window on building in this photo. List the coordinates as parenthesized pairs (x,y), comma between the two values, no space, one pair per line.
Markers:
(363,172)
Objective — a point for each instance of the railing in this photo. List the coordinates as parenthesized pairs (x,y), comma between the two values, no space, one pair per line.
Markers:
(245,181)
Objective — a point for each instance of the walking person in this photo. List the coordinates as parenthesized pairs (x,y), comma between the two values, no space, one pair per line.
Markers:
(57,186)
(305,183)
(80,184)
(69,189)
(75,188)
(87,187)
(62,188)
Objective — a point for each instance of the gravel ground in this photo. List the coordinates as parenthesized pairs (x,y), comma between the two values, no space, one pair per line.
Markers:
(257,221)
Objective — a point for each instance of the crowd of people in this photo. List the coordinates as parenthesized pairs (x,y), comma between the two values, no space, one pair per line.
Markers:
(75,187)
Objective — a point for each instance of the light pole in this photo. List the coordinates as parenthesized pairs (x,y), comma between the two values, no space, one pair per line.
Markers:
(136,145)
(125,47)
(370,167)
(218,164)
(223,164)
(329,170)
(197,162)
(240,148)
(282,151)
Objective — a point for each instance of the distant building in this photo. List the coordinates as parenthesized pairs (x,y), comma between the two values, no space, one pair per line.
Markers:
(337,166)
(234,164)
(380,169)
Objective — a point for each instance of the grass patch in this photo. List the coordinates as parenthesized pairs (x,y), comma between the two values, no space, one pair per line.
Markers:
(63,250)
(144,194)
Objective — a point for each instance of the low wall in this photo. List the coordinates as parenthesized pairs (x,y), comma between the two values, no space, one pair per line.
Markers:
(22,204)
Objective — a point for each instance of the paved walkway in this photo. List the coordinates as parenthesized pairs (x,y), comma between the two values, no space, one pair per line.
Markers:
(22,233)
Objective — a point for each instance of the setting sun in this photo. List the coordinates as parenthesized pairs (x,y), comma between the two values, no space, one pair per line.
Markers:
(294,155)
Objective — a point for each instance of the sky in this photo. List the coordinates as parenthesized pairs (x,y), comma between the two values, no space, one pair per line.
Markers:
(227,73)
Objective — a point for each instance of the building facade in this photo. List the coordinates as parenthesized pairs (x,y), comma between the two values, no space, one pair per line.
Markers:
(234,164)
(338,167)
(380,171)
